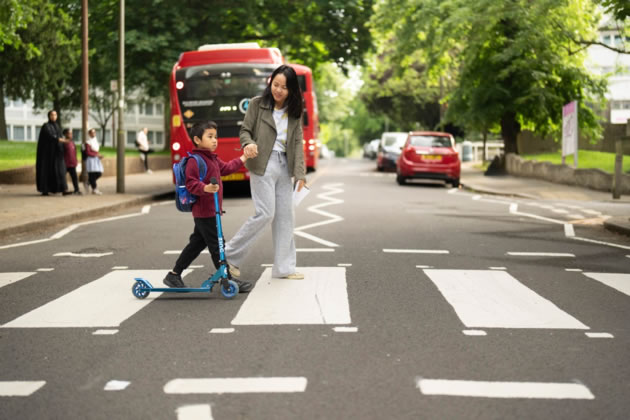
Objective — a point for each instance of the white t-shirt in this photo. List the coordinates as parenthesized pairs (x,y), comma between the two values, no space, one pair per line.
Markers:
(143,142)
(281,118)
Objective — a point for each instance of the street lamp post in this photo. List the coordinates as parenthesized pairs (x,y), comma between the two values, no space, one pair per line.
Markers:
(120,155)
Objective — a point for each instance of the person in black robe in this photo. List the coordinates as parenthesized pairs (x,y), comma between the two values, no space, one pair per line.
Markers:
(50,167)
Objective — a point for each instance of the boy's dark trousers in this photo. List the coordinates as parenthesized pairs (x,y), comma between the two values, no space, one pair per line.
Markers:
(204,235)
(73,176)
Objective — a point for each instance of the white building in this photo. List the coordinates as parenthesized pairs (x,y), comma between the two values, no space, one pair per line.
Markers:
(603,61)
(24,123)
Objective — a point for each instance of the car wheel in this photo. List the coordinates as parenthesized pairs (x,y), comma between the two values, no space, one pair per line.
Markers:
(455,183)
(400,179)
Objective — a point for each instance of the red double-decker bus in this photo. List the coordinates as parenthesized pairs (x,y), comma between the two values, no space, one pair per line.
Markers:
(216,83)
(311,117)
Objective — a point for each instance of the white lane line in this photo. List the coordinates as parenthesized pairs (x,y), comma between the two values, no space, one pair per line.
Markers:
(266,265)
(579,270)
(314,250)
(315,238)
(179,251)
(568,230)
(344,265)
(541,254)
(222,330)
(495,299)
(593,241)
(345,329)
(195,266)
(105,302)
(146,209)
(19,388)
(599,335)
(320,298)
(497,268)
(8,278)
(560,211)
(415,251)
(574,216)
(120,267)
(69,229)
(593,212)
(115,385)
(474,332)
(105,332)
(487,389)
(194,412)
(332,218)
(235,385)
(86,255)
(45,269)
(424,266)
(618,281)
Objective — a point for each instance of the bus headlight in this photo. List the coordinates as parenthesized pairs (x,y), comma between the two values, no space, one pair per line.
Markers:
(176,146)
(177,157)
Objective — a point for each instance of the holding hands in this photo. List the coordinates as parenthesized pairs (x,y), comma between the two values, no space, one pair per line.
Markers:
(250,151)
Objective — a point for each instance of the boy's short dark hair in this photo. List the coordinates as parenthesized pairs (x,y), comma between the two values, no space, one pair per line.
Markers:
(198,129)
(65,131)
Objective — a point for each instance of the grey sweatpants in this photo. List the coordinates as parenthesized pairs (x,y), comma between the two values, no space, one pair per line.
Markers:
(273,202)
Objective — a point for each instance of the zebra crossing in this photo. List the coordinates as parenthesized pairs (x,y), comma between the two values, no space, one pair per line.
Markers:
(491,298)
(481,299)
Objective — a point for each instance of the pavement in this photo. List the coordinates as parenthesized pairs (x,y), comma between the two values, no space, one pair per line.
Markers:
(23,210)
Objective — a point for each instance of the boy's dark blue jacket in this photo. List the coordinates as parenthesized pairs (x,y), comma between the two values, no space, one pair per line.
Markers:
(204,207)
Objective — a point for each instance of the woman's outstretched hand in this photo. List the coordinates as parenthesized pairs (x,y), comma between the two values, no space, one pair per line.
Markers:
(250,151)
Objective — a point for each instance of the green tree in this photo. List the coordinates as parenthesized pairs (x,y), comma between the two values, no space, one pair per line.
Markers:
(514,66)
(39,62)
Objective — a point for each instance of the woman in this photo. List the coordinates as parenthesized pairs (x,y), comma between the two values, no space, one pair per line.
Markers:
(50,168)
(271,137)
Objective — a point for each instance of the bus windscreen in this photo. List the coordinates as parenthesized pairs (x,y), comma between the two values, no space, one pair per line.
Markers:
(220,92)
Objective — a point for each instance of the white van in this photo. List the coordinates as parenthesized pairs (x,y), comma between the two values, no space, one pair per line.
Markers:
(389,149)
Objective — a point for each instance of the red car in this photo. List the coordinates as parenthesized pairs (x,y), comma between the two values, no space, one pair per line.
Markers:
(429,155)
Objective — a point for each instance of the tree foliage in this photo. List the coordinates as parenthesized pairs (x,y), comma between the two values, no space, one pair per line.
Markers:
(507,63)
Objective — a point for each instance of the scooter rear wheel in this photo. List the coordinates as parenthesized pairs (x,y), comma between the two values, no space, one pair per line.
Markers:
(230,291)
(137,291)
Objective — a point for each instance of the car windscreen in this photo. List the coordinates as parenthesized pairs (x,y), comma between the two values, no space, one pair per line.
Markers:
(394,140)
(430,141)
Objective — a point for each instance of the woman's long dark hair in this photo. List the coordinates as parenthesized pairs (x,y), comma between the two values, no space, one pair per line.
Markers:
(294,101)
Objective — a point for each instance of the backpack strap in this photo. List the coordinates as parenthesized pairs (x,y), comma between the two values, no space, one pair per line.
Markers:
(201,164)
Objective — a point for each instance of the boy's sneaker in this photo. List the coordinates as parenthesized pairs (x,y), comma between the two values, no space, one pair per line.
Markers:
(174,280)
(243,286)
(234,271)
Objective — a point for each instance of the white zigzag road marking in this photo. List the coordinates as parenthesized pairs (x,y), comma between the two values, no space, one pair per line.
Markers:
(332,218)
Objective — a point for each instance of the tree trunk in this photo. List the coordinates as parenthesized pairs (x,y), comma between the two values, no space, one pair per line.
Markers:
(3,121)
(509,131)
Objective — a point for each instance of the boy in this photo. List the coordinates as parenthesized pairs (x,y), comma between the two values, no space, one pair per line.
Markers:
(204,137)
(70,156)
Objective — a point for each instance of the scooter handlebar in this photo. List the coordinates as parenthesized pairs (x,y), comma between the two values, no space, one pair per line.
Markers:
(213,181)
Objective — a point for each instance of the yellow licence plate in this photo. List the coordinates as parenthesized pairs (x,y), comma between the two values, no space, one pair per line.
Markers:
(432,158)
(238,176)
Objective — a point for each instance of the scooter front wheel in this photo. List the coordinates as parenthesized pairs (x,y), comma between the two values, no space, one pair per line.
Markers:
(137,290)
(230,291)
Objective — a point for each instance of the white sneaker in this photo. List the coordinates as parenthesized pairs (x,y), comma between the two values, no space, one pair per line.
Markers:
(294,276)
(149,171)
(234,271)
(96,192)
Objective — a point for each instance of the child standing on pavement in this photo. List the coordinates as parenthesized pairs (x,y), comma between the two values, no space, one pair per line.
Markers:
(93,163)
(204,137)
(70,156)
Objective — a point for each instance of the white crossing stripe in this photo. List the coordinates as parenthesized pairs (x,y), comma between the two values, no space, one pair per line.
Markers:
(618,281)
(495,299)
(541,254)
(222,330)
(19,388)
(599,335)
(474,332)
(194,412)
(8,278)
(320,298)
(105,302)
(488,389)
(415,251)
(235,385)
(85,255)
(115,385)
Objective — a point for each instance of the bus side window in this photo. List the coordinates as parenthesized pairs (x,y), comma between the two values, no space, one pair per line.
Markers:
(305,114)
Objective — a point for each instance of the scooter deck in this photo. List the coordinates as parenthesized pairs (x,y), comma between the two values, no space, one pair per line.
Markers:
(177,289)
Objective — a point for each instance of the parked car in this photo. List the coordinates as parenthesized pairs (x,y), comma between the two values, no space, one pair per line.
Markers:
(389,149)
(325,152)
(370,149)
(429,155)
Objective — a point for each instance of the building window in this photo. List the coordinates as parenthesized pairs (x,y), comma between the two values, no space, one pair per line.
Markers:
(159,109)
(29,132)
(76,134)
(8,132)
(131,138)
(606,39)
(148,109)
(159,138)
(18,132)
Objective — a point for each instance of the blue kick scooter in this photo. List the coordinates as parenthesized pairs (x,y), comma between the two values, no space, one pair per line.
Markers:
(229,288)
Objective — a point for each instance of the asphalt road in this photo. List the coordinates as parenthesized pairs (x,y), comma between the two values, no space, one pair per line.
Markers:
(419,302)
